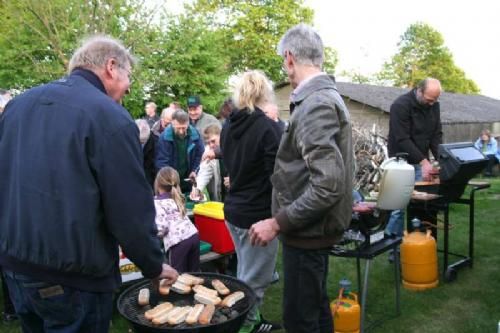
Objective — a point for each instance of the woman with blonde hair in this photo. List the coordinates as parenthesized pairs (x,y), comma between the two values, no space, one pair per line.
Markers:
(249,142)
(180,236)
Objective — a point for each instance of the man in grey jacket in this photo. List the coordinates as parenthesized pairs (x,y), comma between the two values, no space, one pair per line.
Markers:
(312,183)
(199,119)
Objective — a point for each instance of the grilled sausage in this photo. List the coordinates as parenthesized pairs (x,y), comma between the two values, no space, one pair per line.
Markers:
(158,310)
(180,288)
(204,290)
(143,298)
(164,287)
(207,299)
(194,314)
(206,314)
(220,287)
(189,280)
(230,300)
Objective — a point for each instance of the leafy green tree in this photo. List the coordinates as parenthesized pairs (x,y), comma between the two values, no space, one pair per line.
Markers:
(422,54)
(252,29)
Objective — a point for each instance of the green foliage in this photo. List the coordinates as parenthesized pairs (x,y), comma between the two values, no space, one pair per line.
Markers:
(192,53)
(422,54)
(251,30)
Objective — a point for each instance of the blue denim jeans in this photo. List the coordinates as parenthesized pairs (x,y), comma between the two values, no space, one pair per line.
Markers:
(51,308)
(395,225)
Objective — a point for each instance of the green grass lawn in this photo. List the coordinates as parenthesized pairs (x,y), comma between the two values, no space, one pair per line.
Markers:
(469,304)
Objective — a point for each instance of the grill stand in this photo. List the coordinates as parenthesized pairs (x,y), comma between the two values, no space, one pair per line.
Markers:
(450,270)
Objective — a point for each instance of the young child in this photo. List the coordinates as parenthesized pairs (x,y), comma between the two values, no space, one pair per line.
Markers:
(180,236)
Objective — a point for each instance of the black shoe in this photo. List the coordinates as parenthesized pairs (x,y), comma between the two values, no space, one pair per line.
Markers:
(266,326)
(9,317)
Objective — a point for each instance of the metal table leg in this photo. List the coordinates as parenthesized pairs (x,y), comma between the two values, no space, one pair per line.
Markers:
(365,292)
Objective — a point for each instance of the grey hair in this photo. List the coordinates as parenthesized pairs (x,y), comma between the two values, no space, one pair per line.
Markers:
(144,130)
(167,112)
(304,43)
(181,116)
(253,88)
(95,51)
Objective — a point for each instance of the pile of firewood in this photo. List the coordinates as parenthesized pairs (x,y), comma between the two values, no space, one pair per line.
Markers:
(370,150)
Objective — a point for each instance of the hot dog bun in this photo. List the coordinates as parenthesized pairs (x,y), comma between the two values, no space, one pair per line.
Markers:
(158,310)
(231,299)
(207,299)
(206,314)
(143,297)
(204,290)
(220,287)
(194,314)
(180,288)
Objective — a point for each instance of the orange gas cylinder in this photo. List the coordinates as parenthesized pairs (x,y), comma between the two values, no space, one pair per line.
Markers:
(419,263)
(346,311)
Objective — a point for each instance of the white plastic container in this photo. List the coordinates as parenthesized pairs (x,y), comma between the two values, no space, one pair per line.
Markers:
(396,184)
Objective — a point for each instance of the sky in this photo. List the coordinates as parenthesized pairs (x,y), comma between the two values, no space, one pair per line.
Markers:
(365,33)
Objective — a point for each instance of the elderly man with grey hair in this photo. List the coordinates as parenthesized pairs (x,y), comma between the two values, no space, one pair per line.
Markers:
(180,146)
(311,212)
(165,120)
(72,191)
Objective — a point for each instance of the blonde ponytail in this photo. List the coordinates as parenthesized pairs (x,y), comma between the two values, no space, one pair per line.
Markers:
(168,180)
(252,89)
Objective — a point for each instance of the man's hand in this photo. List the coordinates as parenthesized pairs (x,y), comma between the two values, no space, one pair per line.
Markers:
(209,154)
(192,176)
(264,231)
(426,169)
(226,182)
(169,274)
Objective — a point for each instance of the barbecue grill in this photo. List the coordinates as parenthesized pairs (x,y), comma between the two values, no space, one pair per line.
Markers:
(225,320)
(458,162)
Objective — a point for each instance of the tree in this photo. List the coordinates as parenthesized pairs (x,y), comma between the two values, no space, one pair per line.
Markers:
(422,54)
(251,31)
(37,38)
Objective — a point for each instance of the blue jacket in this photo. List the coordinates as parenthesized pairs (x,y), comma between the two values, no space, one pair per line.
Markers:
(167,153)
(491,147)
(73,187)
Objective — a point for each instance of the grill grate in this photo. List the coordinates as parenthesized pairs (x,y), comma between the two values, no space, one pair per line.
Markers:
(128,307)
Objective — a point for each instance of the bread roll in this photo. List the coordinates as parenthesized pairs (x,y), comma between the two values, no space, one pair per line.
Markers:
(179,316)
(194,314)
(206,314)
(164,287)
(230,300)
(220,287)
(162,317)
(180,288)
(204,290)
(158,310)
(143,298)
(189,280)
(207,299)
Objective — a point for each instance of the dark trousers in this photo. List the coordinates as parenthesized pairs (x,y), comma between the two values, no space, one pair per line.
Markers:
(185,256)
(306,306)
(8,307)
(46,307)
(492,160)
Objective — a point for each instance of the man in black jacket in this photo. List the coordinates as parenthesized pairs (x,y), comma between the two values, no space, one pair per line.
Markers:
(73,189)
(415,129)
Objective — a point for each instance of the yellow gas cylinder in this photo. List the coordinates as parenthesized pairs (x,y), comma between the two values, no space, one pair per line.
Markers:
(346,311)
(419,263)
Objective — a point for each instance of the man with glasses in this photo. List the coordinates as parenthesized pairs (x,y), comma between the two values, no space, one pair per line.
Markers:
(73,189)
(415,129)
(180,146)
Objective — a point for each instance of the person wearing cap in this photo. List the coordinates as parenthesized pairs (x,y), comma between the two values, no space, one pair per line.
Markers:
(199,119)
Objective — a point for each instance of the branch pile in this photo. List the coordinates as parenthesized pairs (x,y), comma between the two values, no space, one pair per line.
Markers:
(370,150)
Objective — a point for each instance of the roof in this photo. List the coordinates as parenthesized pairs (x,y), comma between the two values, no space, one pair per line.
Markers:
(455,108)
